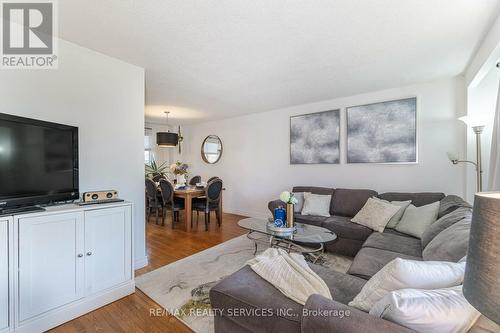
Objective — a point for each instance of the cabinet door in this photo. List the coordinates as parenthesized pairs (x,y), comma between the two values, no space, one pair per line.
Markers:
(51,262)
(108,248)
(4,274)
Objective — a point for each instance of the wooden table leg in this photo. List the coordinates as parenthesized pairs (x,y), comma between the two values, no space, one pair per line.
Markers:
(187,212)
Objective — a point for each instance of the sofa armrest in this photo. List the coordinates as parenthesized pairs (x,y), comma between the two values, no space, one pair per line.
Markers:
(272,205)
(321,314)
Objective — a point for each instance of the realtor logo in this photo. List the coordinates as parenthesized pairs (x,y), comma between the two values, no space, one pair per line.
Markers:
(28,30)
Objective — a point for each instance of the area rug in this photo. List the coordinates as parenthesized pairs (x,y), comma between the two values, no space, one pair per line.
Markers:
(182,287)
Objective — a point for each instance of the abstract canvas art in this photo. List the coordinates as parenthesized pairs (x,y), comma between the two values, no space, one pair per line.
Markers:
(382,132)
(314,138)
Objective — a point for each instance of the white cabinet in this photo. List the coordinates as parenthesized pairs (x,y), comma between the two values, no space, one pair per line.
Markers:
(107,248)
(5,274)
(67,261)
(51,262)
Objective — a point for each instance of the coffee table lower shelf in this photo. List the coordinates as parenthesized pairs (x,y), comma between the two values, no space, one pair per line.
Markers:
(288,245)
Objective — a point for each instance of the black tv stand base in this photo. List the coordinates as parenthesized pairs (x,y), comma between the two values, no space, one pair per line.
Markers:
(21,210)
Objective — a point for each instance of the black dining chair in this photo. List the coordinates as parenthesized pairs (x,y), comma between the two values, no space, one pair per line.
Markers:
(152,202)
(156,178)
(170,202)
(212,178)
(211,202)
(195,180)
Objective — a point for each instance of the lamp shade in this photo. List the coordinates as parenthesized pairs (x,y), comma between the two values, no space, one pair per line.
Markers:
(482,272)
(167,139)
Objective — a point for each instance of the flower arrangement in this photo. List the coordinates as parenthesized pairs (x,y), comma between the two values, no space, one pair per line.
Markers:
(288,198)
(179,168)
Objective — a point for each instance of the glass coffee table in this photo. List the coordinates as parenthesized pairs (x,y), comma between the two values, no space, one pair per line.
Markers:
(307,239)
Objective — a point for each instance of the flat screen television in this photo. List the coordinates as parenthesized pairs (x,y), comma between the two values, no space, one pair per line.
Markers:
(38,162)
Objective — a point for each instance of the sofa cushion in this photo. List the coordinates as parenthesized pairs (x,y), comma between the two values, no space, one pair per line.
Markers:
(451,202)
(450,244)
(396,243)
(375,214)
(343,287)
(369,261)
(310,219)
(417,199)
(344,228)
(348,202)
(444,222)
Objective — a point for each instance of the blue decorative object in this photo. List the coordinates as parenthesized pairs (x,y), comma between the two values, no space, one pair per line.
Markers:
(280,217)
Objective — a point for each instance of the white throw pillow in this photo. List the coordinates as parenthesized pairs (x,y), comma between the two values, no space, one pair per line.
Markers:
(297,208)
(375,214)
(416,219)
(316,204)
(440,310)
(403,273)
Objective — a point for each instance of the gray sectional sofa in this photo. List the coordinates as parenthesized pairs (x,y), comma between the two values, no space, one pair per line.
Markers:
(244,302)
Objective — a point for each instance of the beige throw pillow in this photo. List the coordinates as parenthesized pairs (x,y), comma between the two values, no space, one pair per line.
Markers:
(316,204)
(375,214)
(416,219)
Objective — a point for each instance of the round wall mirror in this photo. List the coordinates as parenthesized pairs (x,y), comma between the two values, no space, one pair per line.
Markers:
(211,149)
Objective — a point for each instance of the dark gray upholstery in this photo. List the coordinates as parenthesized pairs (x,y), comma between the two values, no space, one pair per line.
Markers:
(344,228)
(444,222)
(344,246)
(355,322)
(343,287)
(396,243)
(369,261)
(450,203)
(239,292)
(309,219)
(417,199)
(450,244)
(348,202)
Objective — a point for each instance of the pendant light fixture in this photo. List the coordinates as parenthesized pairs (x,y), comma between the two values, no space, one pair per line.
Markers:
(167,139)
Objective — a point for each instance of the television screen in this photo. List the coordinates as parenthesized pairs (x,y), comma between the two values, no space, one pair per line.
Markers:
(38,161)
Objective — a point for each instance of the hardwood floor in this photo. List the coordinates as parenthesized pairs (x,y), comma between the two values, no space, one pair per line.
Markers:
(164,245)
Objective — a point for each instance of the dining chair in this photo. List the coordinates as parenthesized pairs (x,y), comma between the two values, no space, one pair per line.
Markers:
(212,178)
(170,202)
(152,202)
(210,203)
(156,178)
(195,180)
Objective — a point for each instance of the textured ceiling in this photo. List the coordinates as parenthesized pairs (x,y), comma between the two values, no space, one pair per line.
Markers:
(221,58)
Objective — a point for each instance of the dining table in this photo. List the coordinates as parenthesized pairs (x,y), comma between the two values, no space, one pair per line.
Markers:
(188,193)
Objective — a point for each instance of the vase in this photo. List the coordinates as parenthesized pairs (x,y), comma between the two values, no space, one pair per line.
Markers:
(289,216)
(181,180)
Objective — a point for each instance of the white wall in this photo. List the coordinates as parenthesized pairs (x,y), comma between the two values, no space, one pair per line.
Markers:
(104,97)
(481,104)
(255,165)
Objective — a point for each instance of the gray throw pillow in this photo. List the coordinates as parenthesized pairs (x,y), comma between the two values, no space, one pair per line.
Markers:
(444,222)
(396,217)
(316,204)
(450,244)
(416,219)
(297,208)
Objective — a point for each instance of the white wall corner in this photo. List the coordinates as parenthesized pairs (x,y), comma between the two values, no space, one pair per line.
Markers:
(486,56)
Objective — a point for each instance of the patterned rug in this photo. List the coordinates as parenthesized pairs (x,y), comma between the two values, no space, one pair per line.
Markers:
(182,287)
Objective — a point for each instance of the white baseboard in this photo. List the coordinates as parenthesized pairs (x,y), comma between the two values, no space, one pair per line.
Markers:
(141,262)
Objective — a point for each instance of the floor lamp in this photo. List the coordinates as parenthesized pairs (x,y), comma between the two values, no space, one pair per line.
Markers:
(478,129)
